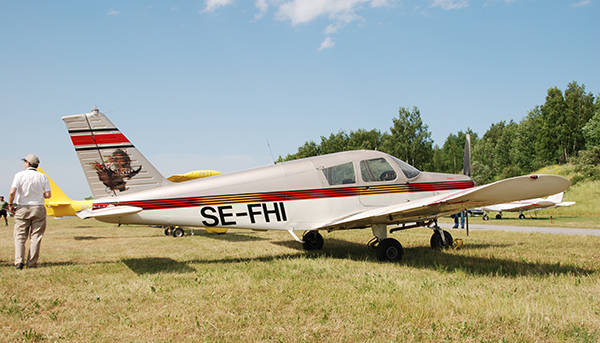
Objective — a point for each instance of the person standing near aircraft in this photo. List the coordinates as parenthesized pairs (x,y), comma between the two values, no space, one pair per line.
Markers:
(3,207)
(462,220)
(29,188)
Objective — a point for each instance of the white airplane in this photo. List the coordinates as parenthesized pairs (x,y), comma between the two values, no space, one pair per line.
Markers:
(341,191)
(552,201)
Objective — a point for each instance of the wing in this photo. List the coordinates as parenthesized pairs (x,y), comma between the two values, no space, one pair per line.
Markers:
(513,189)
(519,206)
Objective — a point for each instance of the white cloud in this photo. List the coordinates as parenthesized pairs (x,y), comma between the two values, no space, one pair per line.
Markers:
(305,11)
(450,4)
(263,7)
(113,12)
(339,12)
(581,3)
(327,43)
(212,5)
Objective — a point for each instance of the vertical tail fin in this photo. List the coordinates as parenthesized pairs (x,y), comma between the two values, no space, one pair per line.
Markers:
(110,162)
(57,194)
(557,198)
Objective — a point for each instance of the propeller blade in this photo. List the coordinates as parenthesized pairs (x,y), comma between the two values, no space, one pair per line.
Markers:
(467,159)
(467,169)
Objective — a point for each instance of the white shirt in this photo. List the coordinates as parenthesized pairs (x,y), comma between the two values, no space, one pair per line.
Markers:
(31,186)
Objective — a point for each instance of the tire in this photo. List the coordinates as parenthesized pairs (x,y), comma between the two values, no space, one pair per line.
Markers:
(389,250)
(485,217)
(312,241)
(498,216)
(521,216)
(178,232)
(167,233)
(436,240)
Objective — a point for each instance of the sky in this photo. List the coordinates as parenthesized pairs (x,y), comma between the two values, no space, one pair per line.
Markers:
(229,84)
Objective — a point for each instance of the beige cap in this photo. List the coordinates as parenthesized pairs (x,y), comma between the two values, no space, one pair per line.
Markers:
(31,158)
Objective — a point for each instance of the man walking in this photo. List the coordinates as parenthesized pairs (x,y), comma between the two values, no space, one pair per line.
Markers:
(29,188)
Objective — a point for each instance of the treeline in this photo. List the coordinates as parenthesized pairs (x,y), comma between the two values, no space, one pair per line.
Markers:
(565,129)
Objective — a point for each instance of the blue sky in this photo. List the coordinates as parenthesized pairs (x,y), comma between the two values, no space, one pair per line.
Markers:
(206,84)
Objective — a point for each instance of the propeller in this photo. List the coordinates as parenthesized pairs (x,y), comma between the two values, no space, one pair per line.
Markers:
(467,168)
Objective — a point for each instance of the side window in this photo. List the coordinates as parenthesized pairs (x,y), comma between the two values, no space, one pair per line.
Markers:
(377,169)
(340,174)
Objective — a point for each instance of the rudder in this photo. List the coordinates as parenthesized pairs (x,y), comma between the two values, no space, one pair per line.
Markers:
(111,163)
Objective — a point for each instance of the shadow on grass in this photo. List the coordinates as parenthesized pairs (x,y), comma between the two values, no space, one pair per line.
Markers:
(426,258)
(157,265)
(415,257)
(230,236)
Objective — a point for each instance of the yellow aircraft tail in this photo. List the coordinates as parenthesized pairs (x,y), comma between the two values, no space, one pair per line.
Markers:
(59,204)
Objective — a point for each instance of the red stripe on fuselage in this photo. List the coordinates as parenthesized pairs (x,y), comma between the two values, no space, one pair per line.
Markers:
(309,194)
(110,138)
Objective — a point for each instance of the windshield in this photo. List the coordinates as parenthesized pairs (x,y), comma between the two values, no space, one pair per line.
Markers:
(407,169)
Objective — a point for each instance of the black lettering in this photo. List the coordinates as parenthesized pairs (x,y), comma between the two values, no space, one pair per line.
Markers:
(252,212)
(204,212)
(283,214)
(267,212)
(224,215)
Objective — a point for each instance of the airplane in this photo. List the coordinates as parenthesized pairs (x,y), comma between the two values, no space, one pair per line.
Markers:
(340,191)
(552,201)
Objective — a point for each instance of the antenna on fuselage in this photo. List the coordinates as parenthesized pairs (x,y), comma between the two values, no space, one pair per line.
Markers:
(271,151)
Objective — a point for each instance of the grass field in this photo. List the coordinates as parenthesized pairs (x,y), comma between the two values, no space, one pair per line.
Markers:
(101,283)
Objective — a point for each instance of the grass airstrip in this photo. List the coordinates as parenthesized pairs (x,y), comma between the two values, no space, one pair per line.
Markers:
(98,282)
(101,283)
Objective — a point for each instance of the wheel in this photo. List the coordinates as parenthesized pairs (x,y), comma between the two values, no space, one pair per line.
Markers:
(485,217)
(521,216)
(312,241)
(389,250)
(498,216)
(167,229)
(436,240)
(178,232)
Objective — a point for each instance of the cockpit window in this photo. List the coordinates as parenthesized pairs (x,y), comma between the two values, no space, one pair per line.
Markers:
(377,169)
(407,169)
(340,174)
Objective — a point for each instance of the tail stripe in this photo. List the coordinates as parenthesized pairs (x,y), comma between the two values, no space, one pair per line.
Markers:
(113,138)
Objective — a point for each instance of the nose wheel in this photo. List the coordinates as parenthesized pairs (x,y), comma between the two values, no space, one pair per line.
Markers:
(438,242)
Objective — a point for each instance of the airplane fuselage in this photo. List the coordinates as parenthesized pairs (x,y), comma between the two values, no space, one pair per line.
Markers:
(298,195)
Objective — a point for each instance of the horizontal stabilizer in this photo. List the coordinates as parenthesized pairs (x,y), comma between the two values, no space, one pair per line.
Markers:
(58,203)
(111,211)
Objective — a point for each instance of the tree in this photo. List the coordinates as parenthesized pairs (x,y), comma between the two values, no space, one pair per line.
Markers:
(523,148)
(580,109)
(409,139)
(551,143)
(591,131)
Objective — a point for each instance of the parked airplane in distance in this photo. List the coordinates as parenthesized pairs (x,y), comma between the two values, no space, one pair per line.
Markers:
(552,201)
(341,191)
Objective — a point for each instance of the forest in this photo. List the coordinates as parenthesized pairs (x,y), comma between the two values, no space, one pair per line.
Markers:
(563,130)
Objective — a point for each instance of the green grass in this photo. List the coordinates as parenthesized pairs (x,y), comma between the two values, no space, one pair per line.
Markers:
(101,283)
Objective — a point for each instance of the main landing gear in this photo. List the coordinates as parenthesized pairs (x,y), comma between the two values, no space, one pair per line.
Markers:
(386,249)
(174,231)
